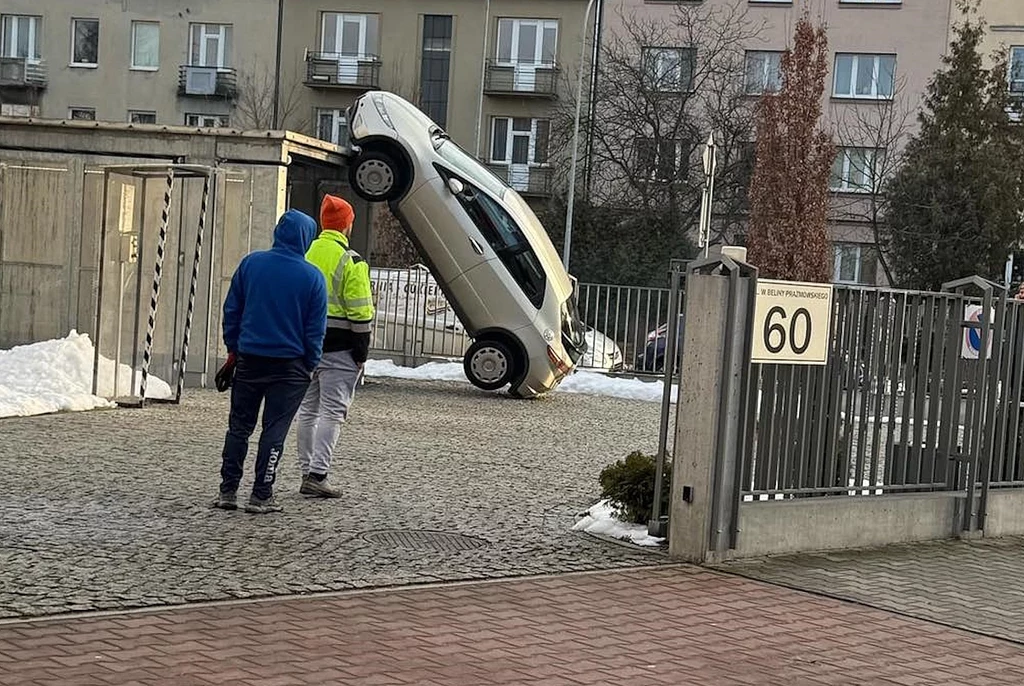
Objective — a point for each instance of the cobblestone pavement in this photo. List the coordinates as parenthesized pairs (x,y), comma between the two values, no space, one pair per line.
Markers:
(109,510)
(668,625)
(975,585)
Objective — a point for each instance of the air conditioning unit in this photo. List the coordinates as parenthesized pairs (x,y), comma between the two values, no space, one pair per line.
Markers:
(200,80)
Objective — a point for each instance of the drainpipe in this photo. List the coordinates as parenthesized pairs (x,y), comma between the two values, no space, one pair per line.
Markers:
(277,64)
(483,75)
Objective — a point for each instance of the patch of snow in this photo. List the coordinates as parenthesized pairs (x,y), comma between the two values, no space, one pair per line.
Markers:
(582,381)
(601,519)
(56,376)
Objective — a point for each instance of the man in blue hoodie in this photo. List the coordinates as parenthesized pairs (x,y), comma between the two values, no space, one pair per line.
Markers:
(275,317)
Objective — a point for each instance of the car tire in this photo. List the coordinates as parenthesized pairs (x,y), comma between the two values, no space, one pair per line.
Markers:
(489,364)
(376,176)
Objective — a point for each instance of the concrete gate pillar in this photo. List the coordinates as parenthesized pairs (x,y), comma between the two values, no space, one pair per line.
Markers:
(714,369)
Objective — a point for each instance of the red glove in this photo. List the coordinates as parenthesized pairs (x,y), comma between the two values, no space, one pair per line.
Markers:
(226,374)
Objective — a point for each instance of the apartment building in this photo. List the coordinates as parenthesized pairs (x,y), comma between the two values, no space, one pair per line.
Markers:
(490,71)
(1005,20)
(883,54)
(136,61)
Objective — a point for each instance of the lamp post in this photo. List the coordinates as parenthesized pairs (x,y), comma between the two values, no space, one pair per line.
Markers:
(567,247)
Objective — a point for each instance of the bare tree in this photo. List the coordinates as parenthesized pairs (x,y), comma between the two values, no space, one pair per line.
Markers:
(254,106)
(872,137)
(662,86)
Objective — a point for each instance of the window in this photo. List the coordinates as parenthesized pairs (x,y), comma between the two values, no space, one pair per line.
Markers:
(435,66)
(660,160)
(211,45)
(669,70)
(145,45)
(349,35)
(519,140)
(870,77)
(85,42)
(141,117)
(527,41)
(764,73)
(209,121)
(330,125)
(1017,70)
(855,263)
(82,113)
(854,170)
(507,240)
(870,2)
(21,36)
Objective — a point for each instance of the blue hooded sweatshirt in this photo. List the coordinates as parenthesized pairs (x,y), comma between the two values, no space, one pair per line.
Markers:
(277,303)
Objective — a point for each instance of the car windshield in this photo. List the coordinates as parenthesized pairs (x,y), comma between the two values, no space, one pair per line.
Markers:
(469,167)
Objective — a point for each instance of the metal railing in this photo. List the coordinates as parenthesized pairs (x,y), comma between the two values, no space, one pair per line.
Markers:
(521,78)
(22,72)
(225,81)
(528,180)
(333,70)
(921,392)
(414,321)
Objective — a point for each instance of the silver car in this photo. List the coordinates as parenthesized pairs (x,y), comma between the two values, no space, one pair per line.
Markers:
(488,251)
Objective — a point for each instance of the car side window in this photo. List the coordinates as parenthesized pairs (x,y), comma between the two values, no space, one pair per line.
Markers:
(508,241)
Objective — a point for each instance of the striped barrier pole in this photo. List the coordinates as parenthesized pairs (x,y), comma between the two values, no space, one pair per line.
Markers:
(192,289)
(154,298)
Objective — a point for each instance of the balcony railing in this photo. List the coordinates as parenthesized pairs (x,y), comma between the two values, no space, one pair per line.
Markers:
(210,82)
(521,78)
(19,72)
(333,70)
(527,180)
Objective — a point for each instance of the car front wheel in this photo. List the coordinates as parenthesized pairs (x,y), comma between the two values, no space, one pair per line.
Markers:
(376,176)
(489,365)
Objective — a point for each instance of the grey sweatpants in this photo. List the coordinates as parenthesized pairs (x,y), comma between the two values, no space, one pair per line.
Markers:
(324,410)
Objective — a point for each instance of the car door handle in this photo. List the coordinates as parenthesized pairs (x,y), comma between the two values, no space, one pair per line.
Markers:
(476,246)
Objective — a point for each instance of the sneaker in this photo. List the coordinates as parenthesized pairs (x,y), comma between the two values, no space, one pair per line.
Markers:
(319,488)
(226,501)
(256,506)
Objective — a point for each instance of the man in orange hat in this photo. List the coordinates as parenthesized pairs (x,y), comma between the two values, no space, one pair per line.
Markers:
(346,344)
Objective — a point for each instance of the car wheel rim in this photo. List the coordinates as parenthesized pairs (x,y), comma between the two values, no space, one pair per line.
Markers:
(489,365)
(375,177)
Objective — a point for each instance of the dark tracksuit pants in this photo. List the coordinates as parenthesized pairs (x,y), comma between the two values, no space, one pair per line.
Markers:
(279,385)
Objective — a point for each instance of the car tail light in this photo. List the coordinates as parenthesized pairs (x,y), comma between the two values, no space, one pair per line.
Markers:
(557,361)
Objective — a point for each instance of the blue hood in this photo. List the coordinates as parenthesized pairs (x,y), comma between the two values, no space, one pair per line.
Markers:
(295,232)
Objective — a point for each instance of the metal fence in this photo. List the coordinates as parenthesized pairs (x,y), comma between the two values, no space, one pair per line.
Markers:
(922,392)
(626,325)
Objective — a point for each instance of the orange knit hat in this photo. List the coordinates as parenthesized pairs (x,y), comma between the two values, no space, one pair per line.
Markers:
(336,214)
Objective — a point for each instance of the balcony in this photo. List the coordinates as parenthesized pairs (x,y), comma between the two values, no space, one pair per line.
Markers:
(336,71)
(19,72)
(207,82)
(527,180)
(521,79)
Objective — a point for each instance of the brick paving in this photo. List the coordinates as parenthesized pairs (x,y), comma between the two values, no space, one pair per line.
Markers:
(666,625)
(976,585)
(108,510)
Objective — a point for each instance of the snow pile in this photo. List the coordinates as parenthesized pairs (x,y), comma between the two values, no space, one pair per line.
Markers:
(590,383)
(56,376)
(601,519)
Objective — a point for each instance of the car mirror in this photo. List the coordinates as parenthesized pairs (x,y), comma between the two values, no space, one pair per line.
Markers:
(456,186)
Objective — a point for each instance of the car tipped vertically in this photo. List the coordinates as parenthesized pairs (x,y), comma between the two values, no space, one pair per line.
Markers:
(485,246)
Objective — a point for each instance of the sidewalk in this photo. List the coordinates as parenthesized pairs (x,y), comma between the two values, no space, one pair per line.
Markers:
(665,625)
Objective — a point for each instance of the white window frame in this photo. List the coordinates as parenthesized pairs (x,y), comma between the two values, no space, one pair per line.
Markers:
(201,121)
(34,55)
(338,124)
(340,18)
(845,186)
(837,264)
(531,155)
(855,67)
(72,110)
(658,56)
(537,58)
(134,112)
(766,73)
(134,38)
(220,33)
(74,28)
(1019,80)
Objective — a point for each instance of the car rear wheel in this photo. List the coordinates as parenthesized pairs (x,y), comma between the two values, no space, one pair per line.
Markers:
(376,176)
(489,364)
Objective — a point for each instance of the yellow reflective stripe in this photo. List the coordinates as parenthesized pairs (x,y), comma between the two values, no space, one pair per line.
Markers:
(361,302)
(338,278)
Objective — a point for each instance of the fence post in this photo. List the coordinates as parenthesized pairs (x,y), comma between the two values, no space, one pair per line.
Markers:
(708,440)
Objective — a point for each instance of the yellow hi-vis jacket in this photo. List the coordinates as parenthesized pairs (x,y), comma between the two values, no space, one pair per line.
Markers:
(349,298)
